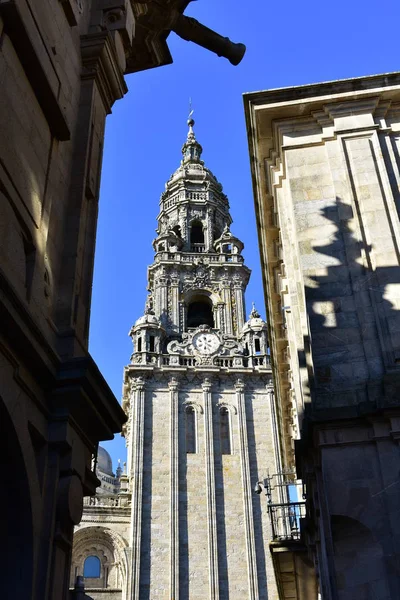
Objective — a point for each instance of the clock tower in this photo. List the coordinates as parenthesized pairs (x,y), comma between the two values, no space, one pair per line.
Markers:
(199,396)
(185,523)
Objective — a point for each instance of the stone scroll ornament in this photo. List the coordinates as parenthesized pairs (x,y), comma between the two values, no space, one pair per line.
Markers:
(205,344)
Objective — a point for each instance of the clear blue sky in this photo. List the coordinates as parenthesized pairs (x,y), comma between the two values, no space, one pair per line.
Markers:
(288,43)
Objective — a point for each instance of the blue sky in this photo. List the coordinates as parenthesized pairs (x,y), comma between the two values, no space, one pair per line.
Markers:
(288,43)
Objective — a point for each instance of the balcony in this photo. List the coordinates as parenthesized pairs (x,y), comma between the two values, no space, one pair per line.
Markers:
(285,520)
(186,257)
(294,571)
(107,501)
(148,359)
(198,248)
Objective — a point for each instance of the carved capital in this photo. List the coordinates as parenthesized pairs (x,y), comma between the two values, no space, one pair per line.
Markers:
(239,386)
(206,384)
(173,384)
(138,384)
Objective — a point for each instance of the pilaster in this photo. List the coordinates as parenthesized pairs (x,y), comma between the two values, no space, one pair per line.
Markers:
(137,485)
(174,489)
(210,483)
(247,491)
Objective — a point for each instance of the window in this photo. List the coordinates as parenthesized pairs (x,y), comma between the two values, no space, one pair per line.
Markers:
(224,431)
(257,346)
(152,343)
(200,313)
(139,344)
(196,233)
(190,430)
(91,567)
(177,231)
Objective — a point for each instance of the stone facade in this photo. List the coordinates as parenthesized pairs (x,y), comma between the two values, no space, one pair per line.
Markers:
(325,166)
(62,66)
(201,430)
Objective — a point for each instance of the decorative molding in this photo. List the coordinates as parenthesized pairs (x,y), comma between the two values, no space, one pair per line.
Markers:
(230,407)
(195,405)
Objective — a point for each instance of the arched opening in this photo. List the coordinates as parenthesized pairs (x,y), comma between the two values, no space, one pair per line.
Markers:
(190,430)
(177,231)
(224,430)
(197,237)
(91,567)
(200,312)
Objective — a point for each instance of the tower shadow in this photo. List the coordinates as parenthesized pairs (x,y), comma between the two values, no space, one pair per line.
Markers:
(354,329)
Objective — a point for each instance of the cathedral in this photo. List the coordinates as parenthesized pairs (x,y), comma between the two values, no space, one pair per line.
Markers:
(182,520)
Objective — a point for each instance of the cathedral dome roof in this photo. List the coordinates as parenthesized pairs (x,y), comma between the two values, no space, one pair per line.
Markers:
(104,462)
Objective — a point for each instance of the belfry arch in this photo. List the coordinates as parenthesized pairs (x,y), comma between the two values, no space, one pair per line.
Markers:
(201,308)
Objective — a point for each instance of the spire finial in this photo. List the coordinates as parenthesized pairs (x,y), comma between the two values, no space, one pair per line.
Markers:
(191,148)
(190,120)
(254,312)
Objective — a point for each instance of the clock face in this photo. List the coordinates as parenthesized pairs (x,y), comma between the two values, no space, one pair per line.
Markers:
(206,343)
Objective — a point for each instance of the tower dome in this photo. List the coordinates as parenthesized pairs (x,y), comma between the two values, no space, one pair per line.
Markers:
(255,322)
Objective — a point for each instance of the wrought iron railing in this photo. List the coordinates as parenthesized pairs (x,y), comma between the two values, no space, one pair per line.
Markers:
(285,520)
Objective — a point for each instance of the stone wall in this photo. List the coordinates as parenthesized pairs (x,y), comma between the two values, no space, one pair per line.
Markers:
(326,179)
(222,525)
(62,67)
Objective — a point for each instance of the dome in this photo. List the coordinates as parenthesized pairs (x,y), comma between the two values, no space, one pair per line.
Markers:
(104,462)
(148,319)
(255,323)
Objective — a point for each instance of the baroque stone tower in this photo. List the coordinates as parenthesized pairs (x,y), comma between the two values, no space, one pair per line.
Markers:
(199,398)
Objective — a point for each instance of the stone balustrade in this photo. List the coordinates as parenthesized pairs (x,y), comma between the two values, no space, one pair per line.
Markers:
(120,501)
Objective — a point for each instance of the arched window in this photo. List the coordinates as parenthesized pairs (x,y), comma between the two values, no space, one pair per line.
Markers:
(91,567)
(139,344)
(224,430)
(177,230)
(200,312)
(190,430)
(196,235)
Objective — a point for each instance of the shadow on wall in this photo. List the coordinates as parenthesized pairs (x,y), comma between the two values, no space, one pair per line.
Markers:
(355,329)
(359,561)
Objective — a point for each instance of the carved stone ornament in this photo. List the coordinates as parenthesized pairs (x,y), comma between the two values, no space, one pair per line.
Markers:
(204,344)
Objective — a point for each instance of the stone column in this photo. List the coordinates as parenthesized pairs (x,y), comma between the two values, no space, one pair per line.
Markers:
(210,483)
(240,312)
(247,491)
(221,317)
(226,297)
(174,490)
(137,485)
(174,291)
(162,299)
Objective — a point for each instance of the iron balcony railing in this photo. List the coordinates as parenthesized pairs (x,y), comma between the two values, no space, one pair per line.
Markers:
(285,520)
